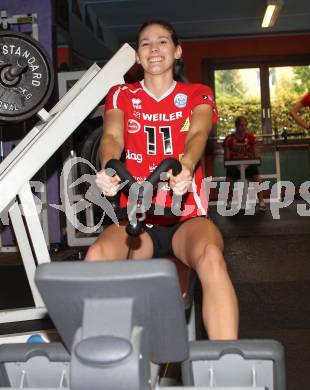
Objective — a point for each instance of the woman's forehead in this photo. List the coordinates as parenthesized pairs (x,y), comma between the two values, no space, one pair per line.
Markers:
(154,29)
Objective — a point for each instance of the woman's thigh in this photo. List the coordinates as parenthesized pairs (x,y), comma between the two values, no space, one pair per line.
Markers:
(192,237)
(116,244)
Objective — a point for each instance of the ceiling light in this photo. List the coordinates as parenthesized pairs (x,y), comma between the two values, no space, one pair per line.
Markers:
(272,11)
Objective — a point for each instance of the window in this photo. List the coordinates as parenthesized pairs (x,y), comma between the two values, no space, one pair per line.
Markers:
(261,90)
(238,93)
(286,85)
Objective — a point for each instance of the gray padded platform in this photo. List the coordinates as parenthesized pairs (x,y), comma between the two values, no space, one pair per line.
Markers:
(151,284)
(38,365)
(239,363)
(117,317)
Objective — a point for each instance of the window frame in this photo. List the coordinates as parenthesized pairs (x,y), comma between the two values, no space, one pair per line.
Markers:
(263,63)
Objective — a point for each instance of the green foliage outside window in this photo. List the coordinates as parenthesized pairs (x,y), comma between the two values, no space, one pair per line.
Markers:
(231,107)
(301,79)
(232,100)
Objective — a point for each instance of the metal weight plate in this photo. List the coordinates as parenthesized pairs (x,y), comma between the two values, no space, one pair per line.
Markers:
(26,76)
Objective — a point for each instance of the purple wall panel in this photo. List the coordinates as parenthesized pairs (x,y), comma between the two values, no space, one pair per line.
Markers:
(43,8)
(44,11)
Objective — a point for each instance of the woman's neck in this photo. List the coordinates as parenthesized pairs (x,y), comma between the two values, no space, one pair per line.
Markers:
(158,85)
(240,134)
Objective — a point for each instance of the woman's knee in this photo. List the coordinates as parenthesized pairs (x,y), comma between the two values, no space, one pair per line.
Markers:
(95,252)
(211,261)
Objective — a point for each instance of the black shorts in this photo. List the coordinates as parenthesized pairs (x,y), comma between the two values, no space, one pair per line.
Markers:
(234,172)
(161,236)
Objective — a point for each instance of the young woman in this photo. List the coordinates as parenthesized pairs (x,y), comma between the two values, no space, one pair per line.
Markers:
(242,145)
(152,120)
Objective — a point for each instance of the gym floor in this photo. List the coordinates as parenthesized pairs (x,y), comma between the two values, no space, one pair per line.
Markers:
(270,266)
(269,263)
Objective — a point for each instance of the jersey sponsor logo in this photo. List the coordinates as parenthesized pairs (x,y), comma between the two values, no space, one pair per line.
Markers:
(133,126)
(163,187)
(136,103)
(207,97)
(180,100)
(152,167)
(134,156)
(162,117)
(137,114)
(185,125)
(140,179)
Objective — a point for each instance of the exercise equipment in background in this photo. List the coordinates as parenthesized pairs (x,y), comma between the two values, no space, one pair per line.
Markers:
(26,77)
(27,158)
(24,84)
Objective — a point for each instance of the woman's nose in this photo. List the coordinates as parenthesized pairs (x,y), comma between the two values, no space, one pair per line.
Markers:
(154,47)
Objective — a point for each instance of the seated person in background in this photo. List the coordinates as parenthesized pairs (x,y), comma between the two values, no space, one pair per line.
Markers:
(241,145)
(297,107)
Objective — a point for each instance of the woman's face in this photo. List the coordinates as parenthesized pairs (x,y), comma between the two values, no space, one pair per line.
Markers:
(242,126)
(156,50)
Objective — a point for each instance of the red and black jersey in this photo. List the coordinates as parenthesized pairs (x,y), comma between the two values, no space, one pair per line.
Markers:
(156,128)
(305,101)
(240,148)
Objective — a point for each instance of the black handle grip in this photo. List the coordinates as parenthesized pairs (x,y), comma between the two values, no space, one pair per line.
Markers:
(122,172)
(164,166)
(135,227)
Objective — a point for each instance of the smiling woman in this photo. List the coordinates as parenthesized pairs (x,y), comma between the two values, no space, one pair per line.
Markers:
(152,120)
(154,50)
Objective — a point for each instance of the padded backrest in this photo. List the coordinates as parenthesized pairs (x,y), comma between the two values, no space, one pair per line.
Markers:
(151,284)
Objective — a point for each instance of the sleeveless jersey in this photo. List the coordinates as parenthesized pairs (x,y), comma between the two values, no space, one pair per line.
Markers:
(155,129)
(240,148)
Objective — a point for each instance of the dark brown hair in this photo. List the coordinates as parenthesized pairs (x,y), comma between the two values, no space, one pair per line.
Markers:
(239,119)
(163,24)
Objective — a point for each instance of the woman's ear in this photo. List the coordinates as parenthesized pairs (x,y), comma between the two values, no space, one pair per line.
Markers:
(178,52)
(138,59)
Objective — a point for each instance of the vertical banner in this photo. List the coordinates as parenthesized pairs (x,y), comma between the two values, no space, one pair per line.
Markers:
(44,11)
(43,8)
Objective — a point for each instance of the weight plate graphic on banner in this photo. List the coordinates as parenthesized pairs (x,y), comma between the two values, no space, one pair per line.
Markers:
(26,76)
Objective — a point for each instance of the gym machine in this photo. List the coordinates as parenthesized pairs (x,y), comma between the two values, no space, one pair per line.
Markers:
(18,22)
(22,100)
(119,321)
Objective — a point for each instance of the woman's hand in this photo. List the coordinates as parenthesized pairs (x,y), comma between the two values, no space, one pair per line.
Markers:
(181,183)
(108,184)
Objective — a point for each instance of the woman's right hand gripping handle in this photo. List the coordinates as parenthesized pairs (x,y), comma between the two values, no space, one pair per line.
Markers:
(108,181)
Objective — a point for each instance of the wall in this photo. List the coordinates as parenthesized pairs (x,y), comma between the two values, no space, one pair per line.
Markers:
(63,56)
(195,52)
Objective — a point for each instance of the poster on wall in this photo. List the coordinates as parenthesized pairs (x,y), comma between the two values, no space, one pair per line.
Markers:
(40,21)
